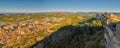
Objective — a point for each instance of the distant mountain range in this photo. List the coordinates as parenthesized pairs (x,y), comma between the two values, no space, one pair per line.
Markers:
(54,12)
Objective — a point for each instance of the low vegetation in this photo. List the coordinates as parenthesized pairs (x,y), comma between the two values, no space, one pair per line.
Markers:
(85,35)
(26,30)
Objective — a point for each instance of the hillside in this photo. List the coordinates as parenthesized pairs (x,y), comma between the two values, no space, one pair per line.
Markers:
(86,35)
(50,30)
(25,30)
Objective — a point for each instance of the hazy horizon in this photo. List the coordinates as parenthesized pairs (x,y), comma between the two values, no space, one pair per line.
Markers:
(61,11)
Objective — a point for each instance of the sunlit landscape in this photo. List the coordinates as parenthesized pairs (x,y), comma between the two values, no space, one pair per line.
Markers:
(59,24)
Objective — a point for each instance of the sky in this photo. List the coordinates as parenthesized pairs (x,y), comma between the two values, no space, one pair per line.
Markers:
(59,5)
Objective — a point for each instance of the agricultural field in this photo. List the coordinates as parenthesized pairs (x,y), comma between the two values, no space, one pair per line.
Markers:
(68,30)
